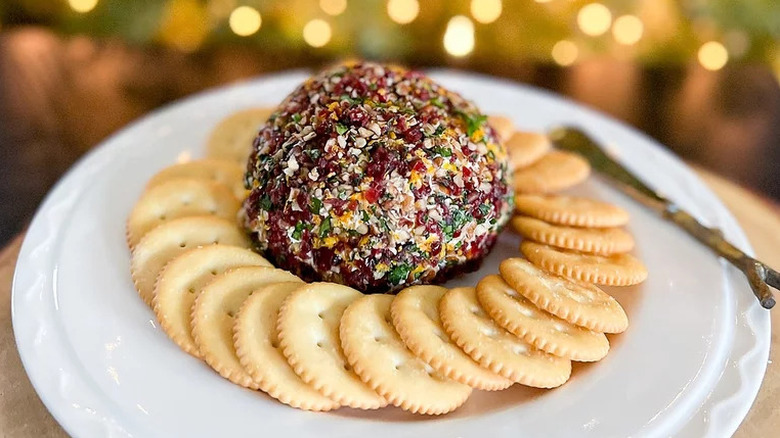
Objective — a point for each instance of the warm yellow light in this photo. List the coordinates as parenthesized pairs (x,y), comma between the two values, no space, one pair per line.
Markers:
(565,52)
(486,11)
(245,20)
(713,56)
(594,19)
(82,6)
(403,11)
(542,1)
(459,36)
(185,24)
(627,29)
(317,33)
(333,7)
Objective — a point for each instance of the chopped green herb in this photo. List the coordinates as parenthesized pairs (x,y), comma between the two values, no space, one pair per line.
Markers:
(313,153)
(296,117)
(439,130)
(399,273)
(373,86)
(484,209)
(299,227)
(265,203)
(325,227)
(350,99)
(437,102)
(341,129)
(315,205)
(447,230)
(366,217)
(444,152)
(474,123)
(491,155)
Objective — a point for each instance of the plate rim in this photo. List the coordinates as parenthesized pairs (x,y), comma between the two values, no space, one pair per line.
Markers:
(748,388)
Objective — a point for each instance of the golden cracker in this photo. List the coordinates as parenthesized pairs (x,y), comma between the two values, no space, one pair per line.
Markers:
(183,278)
(601,241)
(256,342)
(555,171)
(581,304)
(232,138)
(213,313)
(495,348)
(612,270)
(309,338)
(173,238)
(378,355)
(178,198)
(526,148)
(415,312)
(541,329)
(503,126)
(224,172)
(571,211)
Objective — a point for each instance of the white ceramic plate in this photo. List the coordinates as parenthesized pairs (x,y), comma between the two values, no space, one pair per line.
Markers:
(690,364)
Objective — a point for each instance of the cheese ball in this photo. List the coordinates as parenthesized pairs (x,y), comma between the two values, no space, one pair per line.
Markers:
(376,177)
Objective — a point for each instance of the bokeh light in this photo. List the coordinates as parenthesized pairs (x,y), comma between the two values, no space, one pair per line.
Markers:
(486,11)
(82,6)
(333,7)
(713,56)
(594,19)
(403,11)
(627,29)
(459,36)
(565,52)
(245,20)
(317,33)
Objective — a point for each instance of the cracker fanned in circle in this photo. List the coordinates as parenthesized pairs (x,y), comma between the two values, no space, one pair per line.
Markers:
(212,317)
(224,172)
(571,211)
(541,329)
(183,279)
(378,355)
(256,340)
(178,198)
(232,138)
(612,270)
(415,312)
(600,241)
(581,304)
(174,237)
(526,148)
(495,348)
(555,171)
(309,338)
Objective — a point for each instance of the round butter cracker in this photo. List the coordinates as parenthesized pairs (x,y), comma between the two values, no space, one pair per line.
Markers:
(571,211)
(174,237)
(309,338)
(232,138)
(601,241)
(224,172)
(581,304)
(213,313)
(526,148)
(256,341)
(555,171)
(541,329)
(178,198)
(495,348)
(415,313)
(612,270)
(378,355)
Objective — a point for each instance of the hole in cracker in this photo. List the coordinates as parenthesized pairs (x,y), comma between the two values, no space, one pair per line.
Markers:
(560,327)
(346,367)
(191,290)
(476,311)
(398,366)
(378,339)
(231,314)
(527,312)
(182,244)
(489,332)
(520,349)
(274,344)
(320,315)
(216,241)
(319,344)
(213,272)
(162,217)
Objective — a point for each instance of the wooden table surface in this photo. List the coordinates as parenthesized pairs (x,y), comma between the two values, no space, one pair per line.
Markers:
(23,415)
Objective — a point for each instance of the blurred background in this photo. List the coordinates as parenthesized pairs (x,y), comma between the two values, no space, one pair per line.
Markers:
(700,76)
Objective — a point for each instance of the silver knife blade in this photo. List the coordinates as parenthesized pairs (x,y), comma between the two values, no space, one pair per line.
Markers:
(759,275)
